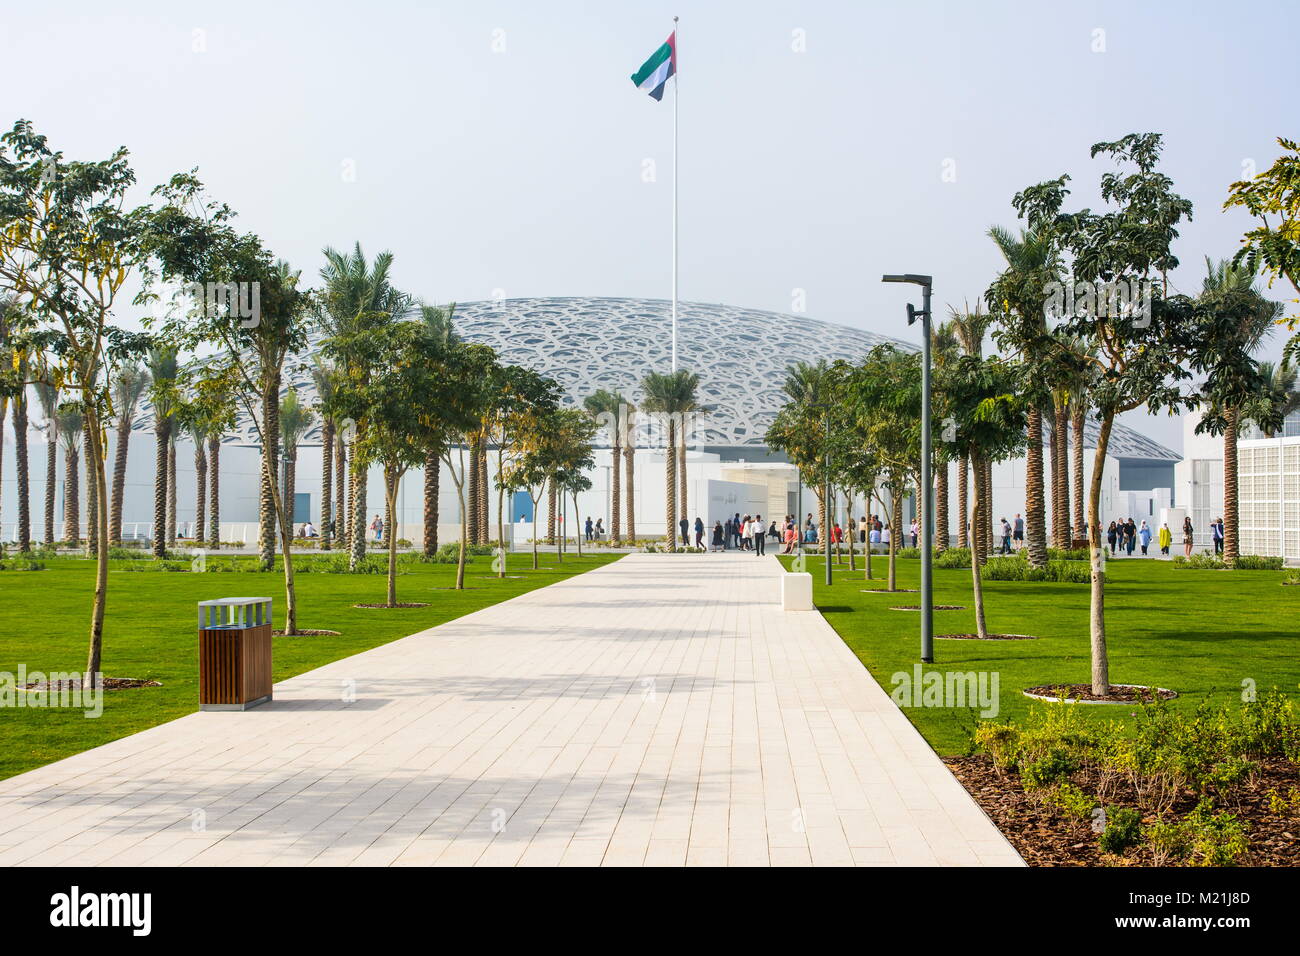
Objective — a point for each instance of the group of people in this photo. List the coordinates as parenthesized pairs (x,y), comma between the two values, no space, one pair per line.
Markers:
(594,532)
(742,533)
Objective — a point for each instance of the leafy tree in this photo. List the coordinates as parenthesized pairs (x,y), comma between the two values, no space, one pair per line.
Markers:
(324,377)
(799,428)
(885,391)
(1273,197)
(521,403)
(68,246)
(1142,354)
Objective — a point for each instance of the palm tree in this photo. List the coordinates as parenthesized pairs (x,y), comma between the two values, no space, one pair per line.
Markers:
(945,348)
(1281,394)
(199,435)
(1224,281)
(611,406)
(672,396)
(629,471)
(71,426)
(20,461)
(48,396)
(128,388)
(440,324)
(1019,294)
(295,419)
(805,386)
(969,327)
(325,378)
(163,369)
(357,296)
(214,492)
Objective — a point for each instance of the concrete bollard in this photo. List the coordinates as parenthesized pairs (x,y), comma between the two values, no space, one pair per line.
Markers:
(796,592)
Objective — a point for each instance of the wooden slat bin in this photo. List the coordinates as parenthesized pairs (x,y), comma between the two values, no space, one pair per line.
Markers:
(234,653)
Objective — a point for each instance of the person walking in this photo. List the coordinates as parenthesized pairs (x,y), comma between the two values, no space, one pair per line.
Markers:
(600,529)
(377,526)
(1006,536)
(1165,538)
(726,534)
(718,531)
(736,530)
(1144,536)
(759,535)
(684,527)
(699,532)
(915,530)
(1216,531)
(589,529)
(1131,533)
(1187,537)
(1112,534)
(1018,531)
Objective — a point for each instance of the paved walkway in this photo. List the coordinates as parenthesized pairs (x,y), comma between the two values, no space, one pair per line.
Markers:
(659,710)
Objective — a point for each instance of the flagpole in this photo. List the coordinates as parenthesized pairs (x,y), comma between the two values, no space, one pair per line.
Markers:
(676,82)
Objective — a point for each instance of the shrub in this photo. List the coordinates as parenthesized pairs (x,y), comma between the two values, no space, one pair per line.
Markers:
(1072,801)
(1067,554)
(1214,839)
(1051,768)
(1257,562)
(1292,577)
(999,741)
(1284,806)
(21,564)
(1012,568)
(1123,830)
(953,558)
(1199,562)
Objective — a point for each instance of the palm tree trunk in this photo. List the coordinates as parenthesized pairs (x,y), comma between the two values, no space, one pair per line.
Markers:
(941,506)
(473,492)
(119,477)
(92,503)
(963,504)
(171,492)
(72,496)
(326,483)
(200,490)
(550,513)
(161,433)
(1035,520)
(484,512)
(988,507)
(1231,501)
(1061,477)
(1097,596)
(432,469)
(214,498)
(21,475)
(51,478)
(977,583)
(341,491)
(267,517)
(866,547)
(614,499)
(1076,475)
(390,513)
(290,488)
(629,469)
(670,487)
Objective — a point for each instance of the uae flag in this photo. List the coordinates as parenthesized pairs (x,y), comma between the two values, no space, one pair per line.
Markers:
(654,72)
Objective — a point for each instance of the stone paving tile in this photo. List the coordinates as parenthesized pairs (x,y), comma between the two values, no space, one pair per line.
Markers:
(659,711)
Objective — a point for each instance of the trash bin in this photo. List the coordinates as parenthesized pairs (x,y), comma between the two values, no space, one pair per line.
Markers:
(234,653)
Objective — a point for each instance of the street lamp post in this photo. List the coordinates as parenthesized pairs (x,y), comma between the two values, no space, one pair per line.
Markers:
(826,497)
(927,517)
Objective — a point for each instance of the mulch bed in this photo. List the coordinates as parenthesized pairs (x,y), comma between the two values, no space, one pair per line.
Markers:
(1118,694)
(887,591)
(307,632)
(1044,837)
(107,683)
(390,607)
(991,637)
(937,607)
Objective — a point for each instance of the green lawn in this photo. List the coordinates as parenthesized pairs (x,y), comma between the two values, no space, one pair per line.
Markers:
(1201,633)
(150,632)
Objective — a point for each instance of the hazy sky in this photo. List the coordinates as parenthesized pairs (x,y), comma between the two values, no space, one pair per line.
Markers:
(502,146)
